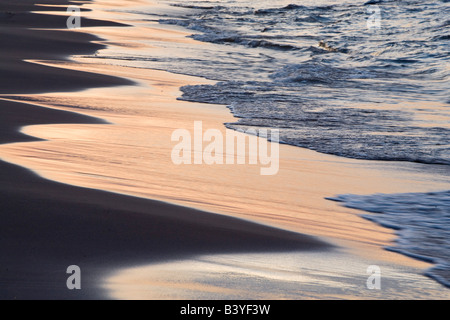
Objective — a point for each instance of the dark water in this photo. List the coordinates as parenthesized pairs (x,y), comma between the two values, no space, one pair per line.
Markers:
(330,80)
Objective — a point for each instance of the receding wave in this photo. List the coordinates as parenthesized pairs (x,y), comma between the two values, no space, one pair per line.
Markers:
(329,75)
(422,221)
(316,72)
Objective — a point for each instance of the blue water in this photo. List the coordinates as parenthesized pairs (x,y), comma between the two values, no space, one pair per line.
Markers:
(328,82)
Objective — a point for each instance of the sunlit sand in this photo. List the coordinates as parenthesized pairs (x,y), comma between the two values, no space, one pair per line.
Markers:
(131,155)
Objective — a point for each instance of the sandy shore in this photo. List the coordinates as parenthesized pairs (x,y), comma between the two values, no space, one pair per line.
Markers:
(47,226)
(104,232)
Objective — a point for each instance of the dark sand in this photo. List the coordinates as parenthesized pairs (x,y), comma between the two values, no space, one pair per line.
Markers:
(20,42)
(47,226)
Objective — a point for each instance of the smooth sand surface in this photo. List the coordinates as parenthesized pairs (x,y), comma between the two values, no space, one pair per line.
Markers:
(48,226)
(132,156)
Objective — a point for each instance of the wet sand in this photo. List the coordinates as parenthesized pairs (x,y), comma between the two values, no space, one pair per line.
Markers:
(131,156)
(47,226)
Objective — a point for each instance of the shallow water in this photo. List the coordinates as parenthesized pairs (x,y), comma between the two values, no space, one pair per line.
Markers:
(321,73)
(422,222)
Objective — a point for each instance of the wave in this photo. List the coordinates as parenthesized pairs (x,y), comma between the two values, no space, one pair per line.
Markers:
(227,37)
(349,132)
(308,70)
(279,10)
(421,221)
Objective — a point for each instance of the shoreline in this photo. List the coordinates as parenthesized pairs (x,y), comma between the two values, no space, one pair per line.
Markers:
(47,226)
(169,83)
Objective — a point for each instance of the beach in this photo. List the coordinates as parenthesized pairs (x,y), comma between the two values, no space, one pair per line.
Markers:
(104,193)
